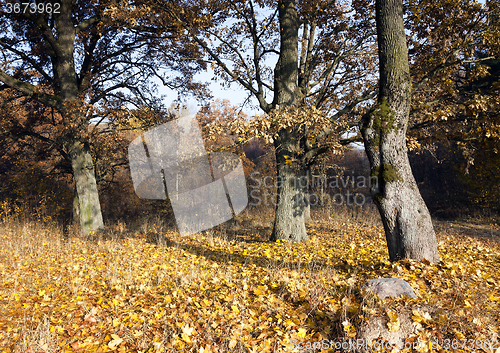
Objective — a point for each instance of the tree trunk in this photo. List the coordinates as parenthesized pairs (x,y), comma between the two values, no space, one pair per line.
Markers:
(65,75)
(307,207)
(86,187)
(289,223)
(407,222)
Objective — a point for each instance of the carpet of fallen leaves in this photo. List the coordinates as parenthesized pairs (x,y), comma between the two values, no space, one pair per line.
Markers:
(213,292)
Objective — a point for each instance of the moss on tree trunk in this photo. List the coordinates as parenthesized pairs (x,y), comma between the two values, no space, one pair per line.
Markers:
(89,208)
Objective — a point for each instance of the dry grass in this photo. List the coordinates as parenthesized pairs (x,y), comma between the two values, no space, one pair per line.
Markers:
(228,290)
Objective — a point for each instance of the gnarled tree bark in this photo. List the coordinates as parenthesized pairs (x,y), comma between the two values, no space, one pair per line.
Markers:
(407,222)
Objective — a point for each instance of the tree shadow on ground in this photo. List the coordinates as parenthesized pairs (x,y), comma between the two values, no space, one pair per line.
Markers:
(469,229)
(225,257)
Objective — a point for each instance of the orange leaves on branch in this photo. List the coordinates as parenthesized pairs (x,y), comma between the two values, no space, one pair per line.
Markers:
(267,126)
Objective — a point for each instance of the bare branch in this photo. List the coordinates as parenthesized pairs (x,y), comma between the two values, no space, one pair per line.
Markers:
(27,59)
(248,85)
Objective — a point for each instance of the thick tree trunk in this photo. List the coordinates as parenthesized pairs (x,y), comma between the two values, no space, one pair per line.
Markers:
(289,223)
(407,222)
(90,215)
(89,208)
(307,209)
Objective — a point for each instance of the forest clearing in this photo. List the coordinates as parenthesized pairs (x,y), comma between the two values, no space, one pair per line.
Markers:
(232,291)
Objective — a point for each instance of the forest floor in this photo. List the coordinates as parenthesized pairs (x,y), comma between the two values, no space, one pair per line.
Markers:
(229,290)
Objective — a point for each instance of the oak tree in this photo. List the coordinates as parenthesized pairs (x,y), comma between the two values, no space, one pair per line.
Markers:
(76,59)
(407,222)
(306,64)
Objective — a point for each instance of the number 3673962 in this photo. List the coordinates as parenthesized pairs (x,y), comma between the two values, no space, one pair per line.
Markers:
(31,7)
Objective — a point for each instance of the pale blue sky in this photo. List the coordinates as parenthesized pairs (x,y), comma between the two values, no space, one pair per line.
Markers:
(235,94)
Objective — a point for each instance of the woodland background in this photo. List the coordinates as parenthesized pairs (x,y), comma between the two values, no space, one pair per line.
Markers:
(33,187)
